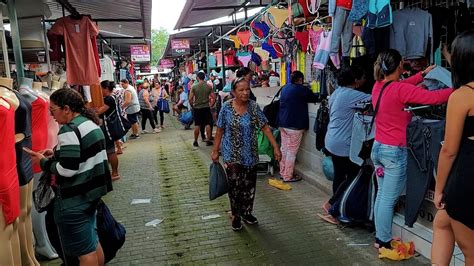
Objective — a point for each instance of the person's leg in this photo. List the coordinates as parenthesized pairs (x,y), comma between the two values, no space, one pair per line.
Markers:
(465,238)
(443,239)
(294,142)
(118,146)
(144,117)
(208,132)
(162,118)
(197,129)
(155,114)
(113,160)
(283,150)
(342,177)
(234,182)
(150,117)
(202,130)
(248,190)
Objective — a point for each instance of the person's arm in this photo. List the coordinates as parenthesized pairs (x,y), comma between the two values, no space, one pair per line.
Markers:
(446,54)
(212,99)
(191,97)
(276,150)
(217,144)
(418,77)
(358,96)
(102,109)
(410,94)
(455,117)
(310,96)
(127,99)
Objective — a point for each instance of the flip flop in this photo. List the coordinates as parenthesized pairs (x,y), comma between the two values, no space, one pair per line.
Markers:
(326,210)
(328,218)
(115,178)
(294,179)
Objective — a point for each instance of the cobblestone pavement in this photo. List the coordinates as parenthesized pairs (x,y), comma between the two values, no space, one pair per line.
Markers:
(165,168)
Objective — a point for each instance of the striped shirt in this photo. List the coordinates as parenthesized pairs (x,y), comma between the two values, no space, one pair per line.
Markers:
(80,161)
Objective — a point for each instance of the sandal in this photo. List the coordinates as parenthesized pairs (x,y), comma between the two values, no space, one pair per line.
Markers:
(115,178)
(326,207)
(294,179)
(328,218)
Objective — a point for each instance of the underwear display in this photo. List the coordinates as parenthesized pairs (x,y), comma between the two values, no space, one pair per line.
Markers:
(236,40)
(314,37)
(256,59)
(244,37)
(268,46)
(262,27)
(244,58)
(265,55)
(303,39)
(304,6)
(322,54)
(279,15)
(279,46)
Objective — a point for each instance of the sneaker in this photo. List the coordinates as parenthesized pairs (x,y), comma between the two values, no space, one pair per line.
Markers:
(195,144)
(133,136)
(145,132)
(236,224)
(209,143)
(157,130)
(250,219)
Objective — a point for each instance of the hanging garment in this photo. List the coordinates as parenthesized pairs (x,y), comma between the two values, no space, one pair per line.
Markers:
(81,49)
(236,40)
(380,14)
(301,61)
(303,39)
(308,66)
(244,58)
(279,15)
(341,31)
(282,73)
(23,126)
(264,55)
(314,36)
(358,48)
(229,57)
(304,6)
(376,40)
(244,37)
(268,46)
(39,127)
(256,30)
(322,54)
(345,4)
(211,61)
(359,10)
(279,46)
(256,59)
(262,27)
(438,78)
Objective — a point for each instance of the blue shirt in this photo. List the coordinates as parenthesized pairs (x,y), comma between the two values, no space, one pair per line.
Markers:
(294,101)
(239,142)
(342,105)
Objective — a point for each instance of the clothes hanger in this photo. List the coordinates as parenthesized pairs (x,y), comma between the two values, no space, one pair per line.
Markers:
(314,7)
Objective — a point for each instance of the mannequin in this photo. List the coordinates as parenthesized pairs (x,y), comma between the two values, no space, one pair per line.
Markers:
(55,85)
(9,192)
(38,88)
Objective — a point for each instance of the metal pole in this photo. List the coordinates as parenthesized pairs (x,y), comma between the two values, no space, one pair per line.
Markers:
(223,58)
(4,45)
(64,12)
(208,69)
(46,46)
(15,32)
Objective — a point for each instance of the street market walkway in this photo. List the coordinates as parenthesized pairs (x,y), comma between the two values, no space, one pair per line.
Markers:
(165,169)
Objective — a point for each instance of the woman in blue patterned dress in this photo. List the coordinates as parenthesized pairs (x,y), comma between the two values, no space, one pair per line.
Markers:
(236,138)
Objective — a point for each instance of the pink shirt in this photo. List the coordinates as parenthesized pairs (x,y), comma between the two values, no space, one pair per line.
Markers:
(391,122)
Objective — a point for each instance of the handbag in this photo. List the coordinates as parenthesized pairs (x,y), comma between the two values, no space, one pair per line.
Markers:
(115,125)
(44,194)
(217,181)
(366,149)
(272,109)
(163,104)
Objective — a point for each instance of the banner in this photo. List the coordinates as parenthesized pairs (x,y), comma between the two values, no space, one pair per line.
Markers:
(180,47)
(140,53)
(166,63)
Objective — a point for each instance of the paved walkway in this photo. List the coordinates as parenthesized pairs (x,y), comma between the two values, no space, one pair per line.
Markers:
(165,168)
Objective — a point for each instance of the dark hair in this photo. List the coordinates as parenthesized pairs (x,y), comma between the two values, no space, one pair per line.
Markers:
(124,80)
(242,72)
(237,81)
(347,75)
(462,59)
(387,62)
(74,100)
(180,88)
(107,84)
(201,75)
(295,76)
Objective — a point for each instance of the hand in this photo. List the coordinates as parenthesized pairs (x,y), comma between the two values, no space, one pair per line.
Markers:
(48,153)
(438,201)
(215,156)
(428,69)
(35,156)
(277,153)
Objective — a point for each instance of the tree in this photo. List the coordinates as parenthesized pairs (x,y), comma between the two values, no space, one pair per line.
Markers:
(159,40)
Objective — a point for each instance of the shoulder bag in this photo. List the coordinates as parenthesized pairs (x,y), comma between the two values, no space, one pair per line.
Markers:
(272,109)
(163,104)
(366,148)
(115,125)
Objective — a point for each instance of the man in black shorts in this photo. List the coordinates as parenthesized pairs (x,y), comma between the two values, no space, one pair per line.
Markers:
(200,98)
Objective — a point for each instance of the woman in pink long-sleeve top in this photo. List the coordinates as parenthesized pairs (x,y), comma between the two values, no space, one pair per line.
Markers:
(389,151)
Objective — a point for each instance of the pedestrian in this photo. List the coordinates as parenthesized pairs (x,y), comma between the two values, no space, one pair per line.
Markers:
(146,109)
(236,139)
(183,102)
(159,93)
(247,74)
(75,168)
(454,221)
(342,107)
(110,106)
(389,152)
(131,105)
(118,93)
(200,98)
(293,121)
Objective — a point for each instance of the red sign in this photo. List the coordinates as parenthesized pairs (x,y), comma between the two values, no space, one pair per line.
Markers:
(166,63)
(140,53)
(180,44)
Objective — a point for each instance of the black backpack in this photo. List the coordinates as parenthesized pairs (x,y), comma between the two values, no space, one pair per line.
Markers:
(321,124)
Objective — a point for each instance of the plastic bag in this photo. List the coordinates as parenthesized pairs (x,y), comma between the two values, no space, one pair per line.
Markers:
(217,181)
(43,195)
(328,168)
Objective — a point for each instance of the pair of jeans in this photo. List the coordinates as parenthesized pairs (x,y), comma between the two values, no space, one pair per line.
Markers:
(424,144)
(391,183)
(344,173)
(341,30)
(155,116)
(147,115)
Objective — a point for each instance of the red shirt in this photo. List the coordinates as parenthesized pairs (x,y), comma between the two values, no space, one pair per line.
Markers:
(391,122)
(346,4)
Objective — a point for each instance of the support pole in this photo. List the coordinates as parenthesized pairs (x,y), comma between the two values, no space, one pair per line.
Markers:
(15,32)
(223,58)
(208,69)
(4,45)
(46,46)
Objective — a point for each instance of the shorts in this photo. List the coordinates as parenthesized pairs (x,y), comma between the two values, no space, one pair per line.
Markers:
(133,118)
(77,228)
(202,116)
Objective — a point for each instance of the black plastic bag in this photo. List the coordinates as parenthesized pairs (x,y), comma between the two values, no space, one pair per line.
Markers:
(217,181)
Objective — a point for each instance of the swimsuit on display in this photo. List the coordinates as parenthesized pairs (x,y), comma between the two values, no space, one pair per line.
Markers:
(23,126)
(279,15)
(303,39)
(268,46)
(279,46)
(39,127)
(322,54)
(256,59)
(9,188)
(262,53)
(261,27)
(244,58)
(314,37)
(304,6)
(244,37)
(236,40)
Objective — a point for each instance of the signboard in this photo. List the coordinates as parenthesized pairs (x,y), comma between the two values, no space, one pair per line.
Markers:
(180,47)
(166,63)
(146,68)
(140,53)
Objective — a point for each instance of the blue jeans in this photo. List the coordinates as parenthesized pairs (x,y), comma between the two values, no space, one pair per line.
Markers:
(393,160)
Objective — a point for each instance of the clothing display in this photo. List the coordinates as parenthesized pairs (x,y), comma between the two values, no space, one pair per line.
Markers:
(359,10)
(341,32)
(108,69)
(39,127)
(380,14)
(376,40)
(81,49)
(303,39)
(23,126)
(211,61)
(244,37)
(314,37)
(360,133)
(279,15)
(236,41)
(262,27)
(322,53)
(244,58)
(268,46)
(438,78)
(290,144)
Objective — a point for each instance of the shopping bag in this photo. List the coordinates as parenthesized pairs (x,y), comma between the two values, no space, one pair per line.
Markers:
(217,181)
(186,118)
(43,195)
(272,109)
(163,106)
(115,125)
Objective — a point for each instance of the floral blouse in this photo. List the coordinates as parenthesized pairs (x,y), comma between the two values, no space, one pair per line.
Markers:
(239,142)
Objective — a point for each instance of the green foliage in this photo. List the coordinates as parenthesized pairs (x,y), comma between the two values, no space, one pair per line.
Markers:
(159,40)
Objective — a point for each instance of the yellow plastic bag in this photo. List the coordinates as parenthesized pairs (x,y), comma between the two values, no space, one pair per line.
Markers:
(399,251)
(279,184)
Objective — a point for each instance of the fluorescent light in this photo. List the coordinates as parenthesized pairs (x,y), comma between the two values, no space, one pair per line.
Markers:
(116,33)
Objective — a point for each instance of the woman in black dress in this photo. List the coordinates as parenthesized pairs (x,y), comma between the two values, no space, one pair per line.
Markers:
(454,191)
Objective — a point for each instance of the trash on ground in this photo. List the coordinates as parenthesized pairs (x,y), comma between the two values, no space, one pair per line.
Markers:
(154,223)
(399,251)
(140,201)
(279,184)
(212,216)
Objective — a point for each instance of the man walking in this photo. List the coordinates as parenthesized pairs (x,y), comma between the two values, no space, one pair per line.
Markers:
(131,105)
(201,98)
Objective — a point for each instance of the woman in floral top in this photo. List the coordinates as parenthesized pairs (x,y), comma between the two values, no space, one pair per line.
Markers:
(236,138)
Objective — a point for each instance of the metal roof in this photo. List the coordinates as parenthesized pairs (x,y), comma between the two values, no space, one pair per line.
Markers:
(198,11)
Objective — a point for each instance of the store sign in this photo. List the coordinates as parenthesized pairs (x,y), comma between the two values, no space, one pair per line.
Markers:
(166,63)
(146,68)
(140,53)
(180,47)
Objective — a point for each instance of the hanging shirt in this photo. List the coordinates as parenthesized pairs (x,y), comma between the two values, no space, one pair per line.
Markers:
(81,49)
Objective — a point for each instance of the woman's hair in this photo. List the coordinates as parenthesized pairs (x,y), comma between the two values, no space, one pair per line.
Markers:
(296,76)
(74,100)
(107,84)
(462,59)
(180,88)
(242,72)
(347,75)
(237,81)
(387,62)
